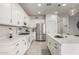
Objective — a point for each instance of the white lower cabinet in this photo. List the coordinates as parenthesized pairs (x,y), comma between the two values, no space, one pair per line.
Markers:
(54,46)
(17,48)
(63,46)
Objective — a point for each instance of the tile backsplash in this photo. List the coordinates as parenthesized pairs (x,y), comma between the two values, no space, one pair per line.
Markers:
(5,31)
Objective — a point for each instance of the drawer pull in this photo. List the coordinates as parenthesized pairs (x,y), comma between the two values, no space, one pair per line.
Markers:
(55,44)
(17,52)
(49,42)
(55,47)
(17,44)
(25,43)
(22,40)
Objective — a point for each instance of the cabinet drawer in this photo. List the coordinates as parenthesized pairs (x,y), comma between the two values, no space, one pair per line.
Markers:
(23,43)
(56,50)
(15,51)
(53,46)
(16,45)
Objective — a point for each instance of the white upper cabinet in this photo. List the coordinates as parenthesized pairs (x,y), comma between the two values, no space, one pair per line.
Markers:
(17,16)
(25,18)
(13,14)
(5,13)
(20,15)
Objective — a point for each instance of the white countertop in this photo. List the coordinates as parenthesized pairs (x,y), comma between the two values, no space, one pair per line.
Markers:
(71,39)
(9,41)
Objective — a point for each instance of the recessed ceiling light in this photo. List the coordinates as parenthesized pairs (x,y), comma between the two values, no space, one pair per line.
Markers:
(64,4)
(73,12)
(39,12)
(39,4)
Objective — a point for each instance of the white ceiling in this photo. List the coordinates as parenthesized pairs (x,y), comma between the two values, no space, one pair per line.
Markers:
(33,9)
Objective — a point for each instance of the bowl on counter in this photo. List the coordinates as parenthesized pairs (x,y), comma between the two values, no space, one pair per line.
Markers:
(58,36)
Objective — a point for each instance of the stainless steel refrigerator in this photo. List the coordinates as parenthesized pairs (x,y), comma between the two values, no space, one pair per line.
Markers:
(40,31)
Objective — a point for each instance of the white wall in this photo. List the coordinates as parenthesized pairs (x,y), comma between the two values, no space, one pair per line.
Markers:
(72,24)
(61,25)
(67,24)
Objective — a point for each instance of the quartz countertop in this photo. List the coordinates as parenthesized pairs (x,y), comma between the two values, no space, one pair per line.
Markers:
(70,39)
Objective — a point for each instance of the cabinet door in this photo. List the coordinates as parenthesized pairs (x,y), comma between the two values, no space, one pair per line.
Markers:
(24,43)
(5,13)
(14,14)
(49,43)
(20,16)
(26,19)
(56,47)
(17,16)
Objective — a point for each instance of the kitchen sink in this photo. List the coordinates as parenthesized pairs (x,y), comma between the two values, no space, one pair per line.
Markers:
(24,33)
(58,36)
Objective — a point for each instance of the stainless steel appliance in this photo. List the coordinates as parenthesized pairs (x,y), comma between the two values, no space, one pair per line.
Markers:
(40,31)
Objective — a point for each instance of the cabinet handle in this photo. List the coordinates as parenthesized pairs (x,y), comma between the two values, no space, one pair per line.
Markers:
(18,22)
(25,43)
(55,44)
(49,42)
(17,52)
(22,40)
(17,44)
(11,20)
(55,47)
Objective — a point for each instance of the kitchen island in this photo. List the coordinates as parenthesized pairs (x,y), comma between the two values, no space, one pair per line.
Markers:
(68,45)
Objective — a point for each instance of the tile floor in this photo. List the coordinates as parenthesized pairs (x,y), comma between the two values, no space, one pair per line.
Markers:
(38,48)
